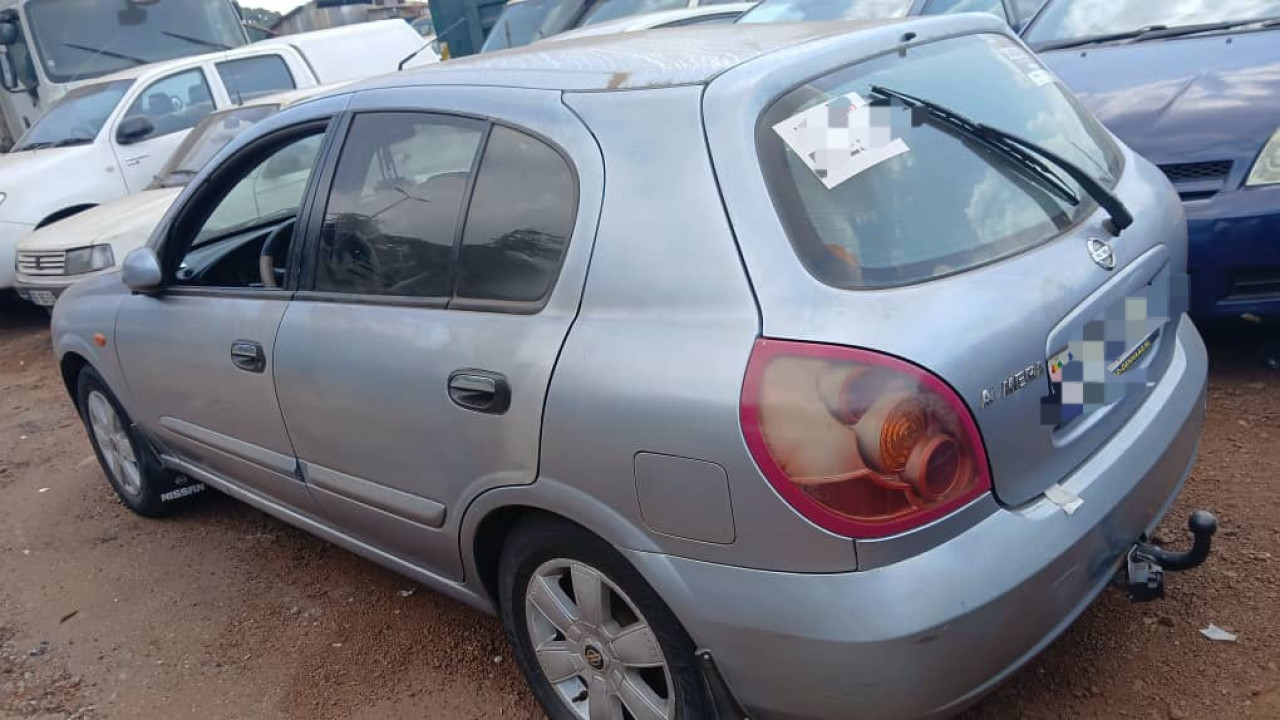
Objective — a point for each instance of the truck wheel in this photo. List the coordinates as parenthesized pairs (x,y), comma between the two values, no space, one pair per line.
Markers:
(590,635)
(136,475)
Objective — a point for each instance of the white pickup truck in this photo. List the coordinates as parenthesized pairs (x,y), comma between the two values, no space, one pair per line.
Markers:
(110,138)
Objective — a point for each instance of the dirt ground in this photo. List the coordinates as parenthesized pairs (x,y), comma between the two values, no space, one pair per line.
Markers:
(224,612)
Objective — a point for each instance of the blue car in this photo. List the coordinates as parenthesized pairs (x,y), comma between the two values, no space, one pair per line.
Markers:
(1195,87)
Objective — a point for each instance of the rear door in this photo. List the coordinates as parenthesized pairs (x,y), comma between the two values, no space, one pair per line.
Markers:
(444,274)
(944,254)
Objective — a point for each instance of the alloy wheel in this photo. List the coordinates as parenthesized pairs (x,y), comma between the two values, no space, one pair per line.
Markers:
(114,443)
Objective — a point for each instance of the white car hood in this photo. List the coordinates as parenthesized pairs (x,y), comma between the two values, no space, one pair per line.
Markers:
(128,221)
(23,174)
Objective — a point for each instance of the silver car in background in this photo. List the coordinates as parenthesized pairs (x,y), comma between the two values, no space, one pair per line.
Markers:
(795,371)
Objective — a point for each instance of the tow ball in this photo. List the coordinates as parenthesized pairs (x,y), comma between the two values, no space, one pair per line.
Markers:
(1146,563)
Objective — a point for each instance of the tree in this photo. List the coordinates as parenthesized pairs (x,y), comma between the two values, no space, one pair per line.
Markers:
(260,17)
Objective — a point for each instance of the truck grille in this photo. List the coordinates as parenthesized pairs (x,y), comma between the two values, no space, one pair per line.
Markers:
(1197,172)
(42,262)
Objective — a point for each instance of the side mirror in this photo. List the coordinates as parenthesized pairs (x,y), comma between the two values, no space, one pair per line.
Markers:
(134,129)
(142,270)
(8,33)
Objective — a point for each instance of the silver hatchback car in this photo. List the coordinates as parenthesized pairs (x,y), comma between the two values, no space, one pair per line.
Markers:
(790,371)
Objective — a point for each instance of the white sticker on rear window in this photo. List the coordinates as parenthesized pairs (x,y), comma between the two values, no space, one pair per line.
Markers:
(841,138)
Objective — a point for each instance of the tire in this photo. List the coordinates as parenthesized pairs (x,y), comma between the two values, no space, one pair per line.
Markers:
(130,465)
(546,563)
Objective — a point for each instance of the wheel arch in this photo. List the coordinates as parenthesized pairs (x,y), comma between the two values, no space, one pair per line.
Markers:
(71,364)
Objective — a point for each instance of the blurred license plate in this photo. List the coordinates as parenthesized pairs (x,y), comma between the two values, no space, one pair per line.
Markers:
(44,298)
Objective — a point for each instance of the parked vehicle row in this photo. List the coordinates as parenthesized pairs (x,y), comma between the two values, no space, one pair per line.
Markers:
(697,412)
(110,138)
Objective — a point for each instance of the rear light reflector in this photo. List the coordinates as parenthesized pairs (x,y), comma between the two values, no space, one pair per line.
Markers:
(862,444)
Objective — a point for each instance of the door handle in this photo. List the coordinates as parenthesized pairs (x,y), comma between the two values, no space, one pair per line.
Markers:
(480,390)
(249,356)
(135,161)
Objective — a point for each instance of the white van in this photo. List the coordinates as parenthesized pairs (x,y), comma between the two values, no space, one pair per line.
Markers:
(110,138)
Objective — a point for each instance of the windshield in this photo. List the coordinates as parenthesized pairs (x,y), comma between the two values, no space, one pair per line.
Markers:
(210,136)
(81,39)
(801,10)
(881,201)
(1067,20)
(518,24)
(77,118)
(614,9)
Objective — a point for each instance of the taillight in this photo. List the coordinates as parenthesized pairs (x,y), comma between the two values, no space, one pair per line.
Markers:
(862,444)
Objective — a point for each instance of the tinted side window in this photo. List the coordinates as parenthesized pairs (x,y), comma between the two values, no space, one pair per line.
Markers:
(248,78)
(520,219)
(396,202)
(946,7)
(175,103)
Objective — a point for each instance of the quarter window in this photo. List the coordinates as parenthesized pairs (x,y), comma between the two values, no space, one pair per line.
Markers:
(393,213)
(253,77)
(519,222)
(173,104)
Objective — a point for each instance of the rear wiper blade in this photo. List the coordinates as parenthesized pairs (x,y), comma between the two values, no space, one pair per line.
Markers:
(1023,154)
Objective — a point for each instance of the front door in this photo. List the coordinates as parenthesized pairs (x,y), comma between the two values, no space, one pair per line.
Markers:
(156,122)
(199,353)
(413,368)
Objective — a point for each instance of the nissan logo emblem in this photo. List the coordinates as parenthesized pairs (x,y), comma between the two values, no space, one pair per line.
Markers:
(1102,254)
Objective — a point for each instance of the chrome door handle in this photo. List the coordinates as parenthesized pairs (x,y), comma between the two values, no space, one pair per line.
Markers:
(480,390)
(248,356)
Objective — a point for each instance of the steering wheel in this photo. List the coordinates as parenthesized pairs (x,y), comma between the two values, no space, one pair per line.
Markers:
(267,258)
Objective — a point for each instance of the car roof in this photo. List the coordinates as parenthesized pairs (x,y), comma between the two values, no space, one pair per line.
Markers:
(626,61)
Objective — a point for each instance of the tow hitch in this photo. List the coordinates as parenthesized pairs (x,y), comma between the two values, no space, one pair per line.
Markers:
(1147,563)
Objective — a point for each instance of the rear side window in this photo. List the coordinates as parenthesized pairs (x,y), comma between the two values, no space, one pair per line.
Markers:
(940,205)
(396,204)
(520,220)
(248,78)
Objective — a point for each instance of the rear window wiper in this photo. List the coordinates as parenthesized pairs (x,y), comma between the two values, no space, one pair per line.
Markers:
(1022,153)
(1155,32)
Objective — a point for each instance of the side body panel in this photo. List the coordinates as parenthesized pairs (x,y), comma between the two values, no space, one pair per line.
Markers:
(364,384)
(656,360)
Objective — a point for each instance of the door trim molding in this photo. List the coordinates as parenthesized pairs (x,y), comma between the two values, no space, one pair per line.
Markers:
(239,449)
(380,497)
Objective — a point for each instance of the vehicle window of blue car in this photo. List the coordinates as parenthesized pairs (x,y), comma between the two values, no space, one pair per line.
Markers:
(944,204)
(519,222)
(947,7)
(396,204)
(1064,20)
(77,118)
(804,10)
(253,77)
(606,10)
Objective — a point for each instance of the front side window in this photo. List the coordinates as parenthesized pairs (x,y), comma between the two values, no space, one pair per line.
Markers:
(211,135)
(938,203)
(77,118)
(169,105)
(947,7)
(519,222)
(263,196)
(813,10)
(1068,20)
(82,39)
(606,10)
(249,78)
(396,203)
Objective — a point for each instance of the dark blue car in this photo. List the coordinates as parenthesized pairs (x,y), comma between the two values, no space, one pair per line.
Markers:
(1195,87)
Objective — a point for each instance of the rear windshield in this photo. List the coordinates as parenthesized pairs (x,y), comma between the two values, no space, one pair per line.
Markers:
(938,204)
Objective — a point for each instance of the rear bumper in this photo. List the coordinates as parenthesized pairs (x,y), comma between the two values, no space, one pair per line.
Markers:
(931,634)
(1234,253)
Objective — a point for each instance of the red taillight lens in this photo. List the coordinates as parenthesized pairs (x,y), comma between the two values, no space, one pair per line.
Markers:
(862,444)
